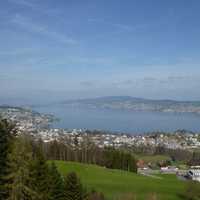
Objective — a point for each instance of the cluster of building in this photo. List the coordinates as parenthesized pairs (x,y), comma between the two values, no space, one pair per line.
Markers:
(26,120)
(177,140)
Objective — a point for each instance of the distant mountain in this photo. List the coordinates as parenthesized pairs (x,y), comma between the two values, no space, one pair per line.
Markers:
(138,104)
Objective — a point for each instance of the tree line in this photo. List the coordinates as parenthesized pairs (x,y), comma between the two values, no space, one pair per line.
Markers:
(88,152)
(189,157)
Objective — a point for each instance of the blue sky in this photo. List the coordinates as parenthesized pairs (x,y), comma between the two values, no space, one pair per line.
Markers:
(54,50)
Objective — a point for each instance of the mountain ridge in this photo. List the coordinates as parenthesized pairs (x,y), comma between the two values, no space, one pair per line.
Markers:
(138,104)
(129,98)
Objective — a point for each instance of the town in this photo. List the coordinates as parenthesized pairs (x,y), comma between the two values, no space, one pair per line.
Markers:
(39,125)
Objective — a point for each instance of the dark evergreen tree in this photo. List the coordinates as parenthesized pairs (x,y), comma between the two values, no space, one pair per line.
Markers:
(39,173)
(56,183)
(195,158)
(20,159)
(118,159)
(73,189)
(133,164)
(7,131)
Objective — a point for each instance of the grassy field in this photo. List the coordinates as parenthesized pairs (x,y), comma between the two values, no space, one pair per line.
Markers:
(115,183)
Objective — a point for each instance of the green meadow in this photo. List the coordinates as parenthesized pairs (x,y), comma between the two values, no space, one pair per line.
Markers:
(116,183)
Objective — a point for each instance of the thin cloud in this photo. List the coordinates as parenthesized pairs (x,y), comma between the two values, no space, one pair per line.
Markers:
(150,79)
(123,83)
(23,22)
(123,27)
(118,28)
(35,6)
(87,83)
(116,25)
(24,3)
(128,82)
(178,78)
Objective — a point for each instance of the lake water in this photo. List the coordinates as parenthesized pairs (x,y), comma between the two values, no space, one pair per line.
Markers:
(120,120)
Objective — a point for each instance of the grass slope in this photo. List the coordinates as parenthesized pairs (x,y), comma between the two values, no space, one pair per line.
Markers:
(114,183)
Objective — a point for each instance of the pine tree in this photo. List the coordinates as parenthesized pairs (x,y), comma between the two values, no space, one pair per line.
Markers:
(20,159)
(7,131)
(73,189)
(133,164)
(39,173)
(55,182)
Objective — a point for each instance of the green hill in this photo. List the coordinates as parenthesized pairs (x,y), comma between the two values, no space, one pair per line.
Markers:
(114,183)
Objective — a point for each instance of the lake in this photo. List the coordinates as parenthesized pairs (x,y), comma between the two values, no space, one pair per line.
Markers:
(120,120)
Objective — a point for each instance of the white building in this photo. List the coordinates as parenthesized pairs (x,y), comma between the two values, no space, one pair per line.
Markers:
(194,173)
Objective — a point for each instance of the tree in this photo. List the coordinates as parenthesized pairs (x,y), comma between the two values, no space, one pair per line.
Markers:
(133,164)
(39,173)
(20,159)
(118,159)
(56,183)
(73,189)
(7,130)
(195,160)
